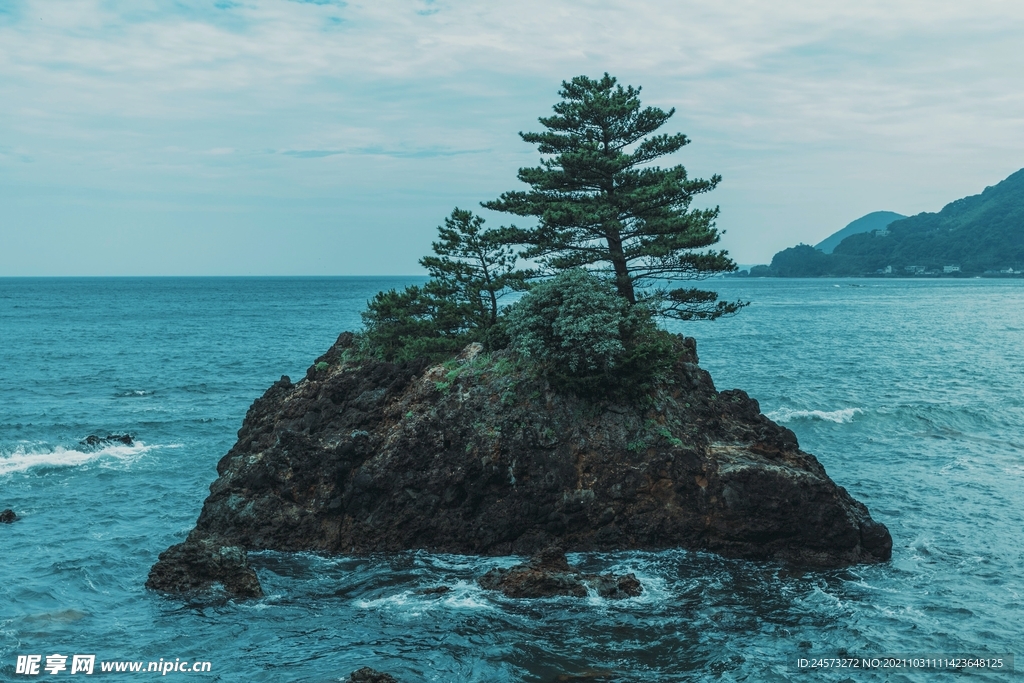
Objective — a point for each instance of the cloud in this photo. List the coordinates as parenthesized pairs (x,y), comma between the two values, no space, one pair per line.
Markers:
(12,153)
(813,112)
(424,153)
(818,62)
(312,153)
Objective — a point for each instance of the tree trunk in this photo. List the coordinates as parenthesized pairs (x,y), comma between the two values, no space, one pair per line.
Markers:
(623,282)
(489,286)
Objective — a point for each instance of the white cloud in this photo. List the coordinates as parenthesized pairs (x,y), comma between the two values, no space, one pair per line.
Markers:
(814,112)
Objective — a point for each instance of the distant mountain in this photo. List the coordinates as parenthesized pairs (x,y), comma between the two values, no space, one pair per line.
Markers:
(978,235)
(877,220)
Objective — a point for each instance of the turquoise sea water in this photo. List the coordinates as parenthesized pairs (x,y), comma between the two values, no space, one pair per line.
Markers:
(911,393)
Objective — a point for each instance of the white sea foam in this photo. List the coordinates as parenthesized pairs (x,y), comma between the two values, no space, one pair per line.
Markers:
(463,595)
(467,596)
(27,457)
(840,416)
(395,600)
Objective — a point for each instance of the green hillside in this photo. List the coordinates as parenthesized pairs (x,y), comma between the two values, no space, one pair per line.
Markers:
(981,235)
(877,220)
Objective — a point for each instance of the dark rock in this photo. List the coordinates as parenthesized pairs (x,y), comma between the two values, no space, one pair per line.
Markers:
(437,590)
(199,563)
(368,675)
(481,457)
(548,574)
(545,575)
(94,441)
(617,587)
(8,516)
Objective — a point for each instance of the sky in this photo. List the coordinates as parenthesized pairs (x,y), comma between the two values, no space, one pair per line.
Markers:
(321,137)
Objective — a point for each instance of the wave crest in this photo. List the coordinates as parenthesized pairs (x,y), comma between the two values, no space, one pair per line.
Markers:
(841,416)
(25,458)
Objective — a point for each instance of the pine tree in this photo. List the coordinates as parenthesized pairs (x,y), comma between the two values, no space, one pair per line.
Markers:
(469,274)
(599,203)
(475,265)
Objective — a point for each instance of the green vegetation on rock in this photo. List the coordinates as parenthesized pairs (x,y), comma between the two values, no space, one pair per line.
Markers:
(611,231)
(599,203)
(585,337)
(470,272)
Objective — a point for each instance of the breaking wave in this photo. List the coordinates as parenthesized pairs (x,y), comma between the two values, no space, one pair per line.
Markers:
(23,458)
(840,416)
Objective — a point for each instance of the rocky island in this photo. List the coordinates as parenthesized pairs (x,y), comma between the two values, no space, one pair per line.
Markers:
(477,455)
(568,421)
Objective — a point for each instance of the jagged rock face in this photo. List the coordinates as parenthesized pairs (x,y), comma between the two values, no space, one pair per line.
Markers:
(477,456)
(199,563)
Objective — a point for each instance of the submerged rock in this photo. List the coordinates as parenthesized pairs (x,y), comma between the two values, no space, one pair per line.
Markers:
(549,574)
(94,441)
(8,516)
(368,675)
(616,587)
(478,456)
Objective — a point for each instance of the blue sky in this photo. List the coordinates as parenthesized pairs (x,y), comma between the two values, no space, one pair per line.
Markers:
(327,137)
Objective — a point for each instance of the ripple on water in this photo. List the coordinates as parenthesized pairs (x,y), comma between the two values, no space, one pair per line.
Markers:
(906,391)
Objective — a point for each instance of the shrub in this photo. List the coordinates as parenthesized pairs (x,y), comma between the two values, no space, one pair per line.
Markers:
(586,338)
(414,322)
(470,272)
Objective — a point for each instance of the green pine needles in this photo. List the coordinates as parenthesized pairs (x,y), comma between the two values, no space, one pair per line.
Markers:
(612,235)
(470,272)
(475,266)
(600,204)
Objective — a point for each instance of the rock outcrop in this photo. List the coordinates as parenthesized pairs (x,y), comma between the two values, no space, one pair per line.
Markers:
(368,675)
(478,456)
(201,562)
(97,441)
(8,516)
(548,574)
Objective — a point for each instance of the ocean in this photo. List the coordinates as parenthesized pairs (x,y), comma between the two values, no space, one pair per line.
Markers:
(910,393)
